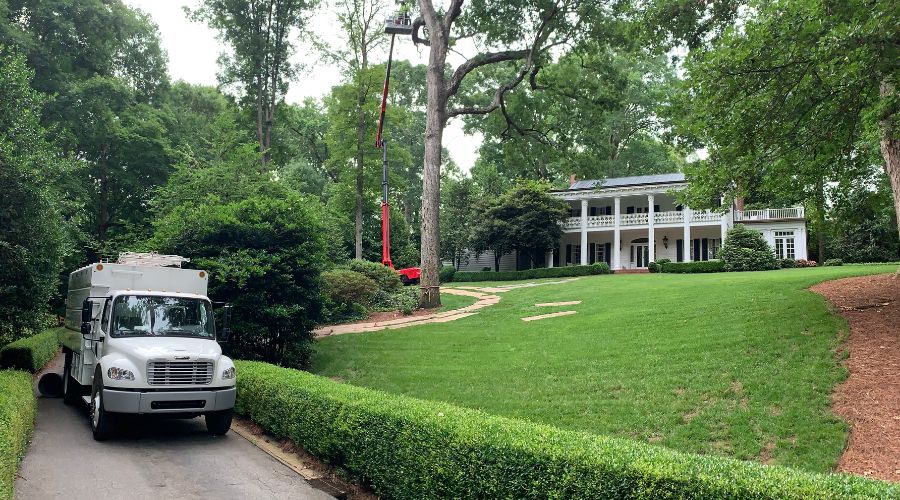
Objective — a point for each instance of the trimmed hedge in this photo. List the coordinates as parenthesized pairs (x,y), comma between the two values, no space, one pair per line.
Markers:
(30,353)
(18,408)
(530,274)
(707,266)
(408,448)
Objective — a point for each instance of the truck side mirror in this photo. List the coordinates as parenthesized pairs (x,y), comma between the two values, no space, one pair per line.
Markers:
(226,323)
(87,311)
(86,329)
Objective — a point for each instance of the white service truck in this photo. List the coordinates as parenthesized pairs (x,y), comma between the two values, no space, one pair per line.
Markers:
(140,338)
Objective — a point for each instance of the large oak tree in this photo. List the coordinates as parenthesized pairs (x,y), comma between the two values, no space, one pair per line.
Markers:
(517,34)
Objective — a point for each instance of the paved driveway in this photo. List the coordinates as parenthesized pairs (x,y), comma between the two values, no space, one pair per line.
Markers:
(153,459)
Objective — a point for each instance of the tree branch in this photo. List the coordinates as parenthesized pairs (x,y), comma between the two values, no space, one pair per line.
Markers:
(479,61)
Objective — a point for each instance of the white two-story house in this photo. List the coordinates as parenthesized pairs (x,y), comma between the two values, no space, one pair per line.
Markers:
(628,222)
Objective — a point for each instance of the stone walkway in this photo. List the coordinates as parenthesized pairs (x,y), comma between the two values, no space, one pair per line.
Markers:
(482,300)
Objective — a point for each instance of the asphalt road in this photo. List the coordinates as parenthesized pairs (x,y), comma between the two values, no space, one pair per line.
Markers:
(152,459)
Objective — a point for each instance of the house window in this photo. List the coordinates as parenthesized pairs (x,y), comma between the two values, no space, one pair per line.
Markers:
(715,244)
(576,254)
(600,256)
(784,244)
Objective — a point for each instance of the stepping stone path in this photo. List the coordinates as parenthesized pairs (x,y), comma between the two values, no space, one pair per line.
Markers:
(483,300)
(556,304)
(551,315)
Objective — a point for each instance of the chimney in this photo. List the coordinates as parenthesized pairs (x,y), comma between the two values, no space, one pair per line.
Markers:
(572,179)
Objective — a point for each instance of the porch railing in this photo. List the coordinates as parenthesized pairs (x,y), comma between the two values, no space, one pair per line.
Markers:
(633,219)
(769,214)
(668,217)
(706,216)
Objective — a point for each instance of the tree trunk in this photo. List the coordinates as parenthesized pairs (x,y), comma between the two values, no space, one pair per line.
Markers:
(890,149)
(436,112)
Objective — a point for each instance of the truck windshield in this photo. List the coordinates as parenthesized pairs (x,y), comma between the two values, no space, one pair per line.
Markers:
(144,316)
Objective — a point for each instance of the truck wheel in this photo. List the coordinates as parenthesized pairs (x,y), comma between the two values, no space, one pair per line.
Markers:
(71,388)
(218,422)
(102,422)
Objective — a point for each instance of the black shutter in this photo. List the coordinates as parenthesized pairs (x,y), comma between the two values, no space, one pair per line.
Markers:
(568,254)
(696,252)
(679,251)
(608,252)
(593,211)
(593,253)
(656,208)
(556,258)
(629,210)
(705,252)
(608,210)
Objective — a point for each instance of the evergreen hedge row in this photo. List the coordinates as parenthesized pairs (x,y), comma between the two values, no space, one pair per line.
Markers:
(408,448)
(708,266)
(30,353)
(18,408)
(530,274)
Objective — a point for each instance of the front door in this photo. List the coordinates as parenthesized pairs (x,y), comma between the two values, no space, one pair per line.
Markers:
(641,255)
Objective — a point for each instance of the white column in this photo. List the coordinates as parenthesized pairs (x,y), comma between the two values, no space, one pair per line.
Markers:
(584,243)
(651,232)
(549,258)
(688,248)
(617,235)
(725,225)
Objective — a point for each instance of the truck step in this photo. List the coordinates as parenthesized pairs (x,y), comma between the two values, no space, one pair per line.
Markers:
(86,399)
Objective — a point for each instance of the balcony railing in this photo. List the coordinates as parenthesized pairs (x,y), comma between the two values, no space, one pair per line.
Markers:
(769,214)
(673,217)
(707,216)
(640,219)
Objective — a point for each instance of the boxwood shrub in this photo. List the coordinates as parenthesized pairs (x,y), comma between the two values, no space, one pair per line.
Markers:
(30,353)
(18,408)
(530,274)
(403,447)
(708,266)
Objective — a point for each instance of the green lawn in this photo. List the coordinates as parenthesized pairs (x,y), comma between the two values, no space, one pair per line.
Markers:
(449,301)
(738,364)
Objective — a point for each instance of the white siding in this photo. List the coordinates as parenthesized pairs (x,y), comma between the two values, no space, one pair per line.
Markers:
(799,228)
(475,263)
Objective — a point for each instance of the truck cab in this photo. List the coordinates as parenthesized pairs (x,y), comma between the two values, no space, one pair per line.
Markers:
(141,338)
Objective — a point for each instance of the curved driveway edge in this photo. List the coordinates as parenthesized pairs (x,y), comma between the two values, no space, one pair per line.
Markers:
(482,300)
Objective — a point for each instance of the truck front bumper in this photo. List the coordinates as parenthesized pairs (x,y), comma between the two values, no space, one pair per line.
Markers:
(168,402)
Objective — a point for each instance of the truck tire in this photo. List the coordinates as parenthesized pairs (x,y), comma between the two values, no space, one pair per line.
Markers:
(218,422)
(102,422)
(71,388)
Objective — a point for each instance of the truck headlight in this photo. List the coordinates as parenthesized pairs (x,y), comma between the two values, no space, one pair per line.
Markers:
(228,373)
(117,373)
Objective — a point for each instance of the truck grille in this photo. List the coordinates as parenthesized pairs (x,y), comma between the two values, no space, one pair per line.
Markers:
(179,372)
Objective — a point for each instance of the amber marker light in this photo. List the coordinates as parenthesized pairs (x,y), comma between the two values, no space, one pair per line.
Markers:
(202,274)
(99,267)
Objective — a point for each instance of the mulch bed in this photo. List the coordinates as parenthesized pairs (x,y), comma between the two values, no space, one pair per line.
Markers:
(869,400)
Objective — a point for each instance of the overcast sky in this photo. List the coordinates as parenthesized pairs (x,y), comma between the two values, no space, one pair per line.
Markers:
(193,50)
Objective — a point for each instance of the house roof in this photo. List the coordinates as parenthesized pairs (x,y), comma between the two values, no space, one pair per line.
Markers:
(636,180)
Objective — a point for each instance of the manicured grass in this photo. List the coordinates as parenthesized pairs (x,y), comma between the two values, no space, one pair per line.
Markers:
(735,364)
(449,301)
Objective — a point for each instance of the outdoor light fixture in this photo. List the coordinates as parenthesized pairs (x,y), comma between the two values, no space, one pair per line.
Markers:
(665,242)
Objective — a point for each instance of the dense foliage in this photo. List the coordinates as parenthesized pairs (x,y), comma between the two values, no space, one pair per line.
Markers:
(33,236)
(30,353)
(525,219)
(405,447)
(710,266)
(347,294)
(18,409)
(264,256)
(746,250)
